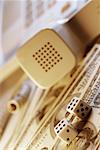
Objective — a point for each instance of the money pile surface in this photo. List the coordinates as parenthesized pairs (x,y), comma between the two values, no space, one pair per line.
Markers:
(32,128)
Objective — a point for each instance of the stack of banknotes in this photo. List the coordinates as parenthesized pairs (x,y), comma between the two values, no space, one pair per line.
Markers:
(31,127)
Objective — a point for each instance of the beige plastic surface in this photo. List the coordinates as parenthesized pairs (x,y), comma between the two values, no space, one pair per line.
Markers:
(46,58)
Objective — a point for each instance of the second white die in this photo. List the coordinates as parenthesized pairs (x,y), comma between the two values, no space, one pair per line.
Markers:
(65,131)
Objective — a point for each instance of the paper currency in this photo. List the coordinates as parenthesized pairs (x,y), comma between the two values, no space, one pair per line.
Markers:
(85,82)
(36,130)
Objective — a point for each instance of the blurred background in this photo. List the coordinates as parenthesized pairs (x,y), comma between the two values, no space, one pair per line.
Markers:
(21,19)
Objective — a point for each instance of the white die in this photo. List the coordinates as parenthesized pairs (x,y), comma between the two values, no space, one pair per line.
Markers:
(79,108)
(65,131)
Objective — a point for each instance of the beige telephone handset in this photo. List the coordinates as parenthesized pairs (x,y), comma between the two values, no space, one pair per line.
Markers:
(46,58)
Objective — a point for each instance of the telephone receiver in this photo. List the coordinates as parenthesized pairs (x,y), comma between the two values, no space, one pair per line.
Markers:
(53,53)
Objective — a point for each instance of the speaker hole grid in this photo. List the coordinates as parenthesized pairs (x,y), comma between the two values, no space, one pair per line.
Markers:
(67,139)
(47,56)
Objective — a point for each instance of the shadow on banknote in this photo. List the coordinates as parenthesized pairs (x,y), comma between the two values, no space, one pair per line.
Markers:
(88,138)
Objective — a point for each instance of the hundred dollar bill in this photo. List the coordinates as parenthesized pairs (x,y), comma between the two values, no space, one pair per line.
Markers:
(86,86)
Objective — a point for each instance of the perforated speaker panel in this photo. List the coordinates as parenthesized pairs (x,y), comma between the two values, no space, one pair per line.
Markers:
(46,58)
